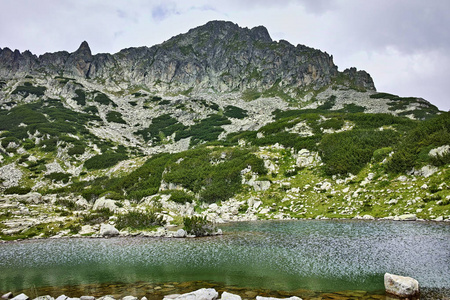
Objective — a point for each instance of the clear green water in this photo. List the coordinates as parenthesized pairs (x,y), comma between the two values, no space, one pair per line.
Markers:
(274,255)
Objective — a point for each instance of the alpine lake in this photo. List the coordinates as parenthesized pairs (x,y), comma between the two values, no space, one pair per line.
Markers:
(312,259)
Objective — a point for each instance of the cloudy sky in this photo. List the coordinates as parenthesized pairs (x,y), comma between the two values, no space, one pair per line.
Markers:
(403,44)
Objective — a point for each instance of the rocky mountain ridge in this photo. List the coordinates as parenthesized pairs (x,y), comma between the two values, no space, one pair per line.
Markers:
(219,56)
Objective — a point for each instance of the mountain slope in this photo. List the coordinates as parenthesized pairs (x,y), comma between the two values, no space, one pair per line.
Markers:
(220,122)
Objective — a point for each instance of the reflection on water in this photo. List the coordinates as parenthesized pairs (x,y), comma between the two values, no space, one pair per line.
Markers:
(319,256)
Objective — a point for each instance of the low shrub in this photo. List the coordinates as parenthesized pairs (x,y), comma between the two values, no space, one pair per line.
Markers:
(179,196)
(97,217)
(17,190)
(81,97)
(139,220)
(58,176)
(104,161)
(198,226)
(116,117)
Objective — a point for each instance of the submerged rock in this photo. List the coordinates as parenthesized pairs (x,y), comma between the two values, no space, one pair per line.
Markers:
(272,298)
(401,286)
(201,294)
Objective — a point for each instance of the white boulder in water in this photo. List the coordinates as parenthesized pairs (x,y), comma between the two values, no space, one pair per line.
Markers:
(401,286)
(201,294)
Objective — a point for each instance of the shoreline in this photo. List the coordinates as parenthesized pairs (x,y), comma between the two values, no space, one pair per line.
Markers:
(166,233)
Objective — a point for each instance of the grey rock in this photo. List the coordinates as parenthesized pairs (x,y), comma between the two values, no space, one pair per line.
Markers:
(10,175)
(46,297)
(181,233)
(105,203)
(129,298)
(401,286)
(229,296)
(406,217)
(21,297)
(201,294)
(439,151)
(107,297)
(87,298)
(7,295)
(260,186)
(272,298)
(107,230)
(33,198)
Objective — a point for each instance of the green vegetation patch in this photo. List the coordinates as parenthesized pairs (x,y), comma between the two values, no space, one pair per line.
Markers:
(116,117)
(204,131)
(28,89)
(349,151)
(104,161)
(161,127)
(80,97)
(104,100)
(139,220)
(235,112)
(58,176)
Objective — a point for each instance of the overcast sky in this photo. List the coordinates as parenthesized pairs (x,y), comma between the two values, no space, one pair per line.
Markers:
(403,44)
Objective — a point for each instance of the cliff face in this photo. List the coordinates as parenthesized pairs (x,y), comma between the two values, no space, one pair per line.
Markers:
(218,56)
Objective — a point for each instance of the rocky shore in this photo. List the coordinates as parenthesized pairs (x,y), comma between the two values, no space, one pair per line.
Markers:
(397,286)
(201,294)
(36,216)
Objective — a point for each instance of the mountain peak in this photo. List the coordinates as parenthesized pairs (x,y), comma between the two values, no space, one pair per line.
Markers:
(84,49)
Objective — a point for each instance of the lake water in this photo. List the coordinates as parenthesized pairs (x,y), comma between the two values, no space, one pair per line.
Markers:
(291,256)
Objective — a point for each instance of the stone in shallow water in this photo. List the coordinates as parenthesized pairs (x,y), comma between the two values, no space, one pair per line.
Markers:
(46,297)
(7,295)
(87,298)
(229,296)
(129,298)
(401,286)
(21,297)
(107,297)
(272,298)
(201,294)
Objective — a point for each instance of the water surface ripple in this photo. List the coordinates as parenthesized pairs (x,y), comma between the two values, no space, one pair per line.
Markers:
(276,255)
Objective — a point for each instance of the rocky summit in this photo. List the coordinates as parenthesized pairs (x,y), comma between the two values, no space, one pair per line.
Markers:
(220,123)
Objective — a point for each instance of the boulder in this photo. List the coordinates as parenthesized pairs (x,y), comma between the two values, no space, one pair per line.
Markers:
(46,297)
(401,286)
(261,186)
(21,297)
(129,298)
(181,233)
(7,295)
(105,203)
(229,296)
(108,230)
(87,298)
(272,298)
(201,294)
(107,297)
(406,217)
(33,198)
(62,297)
